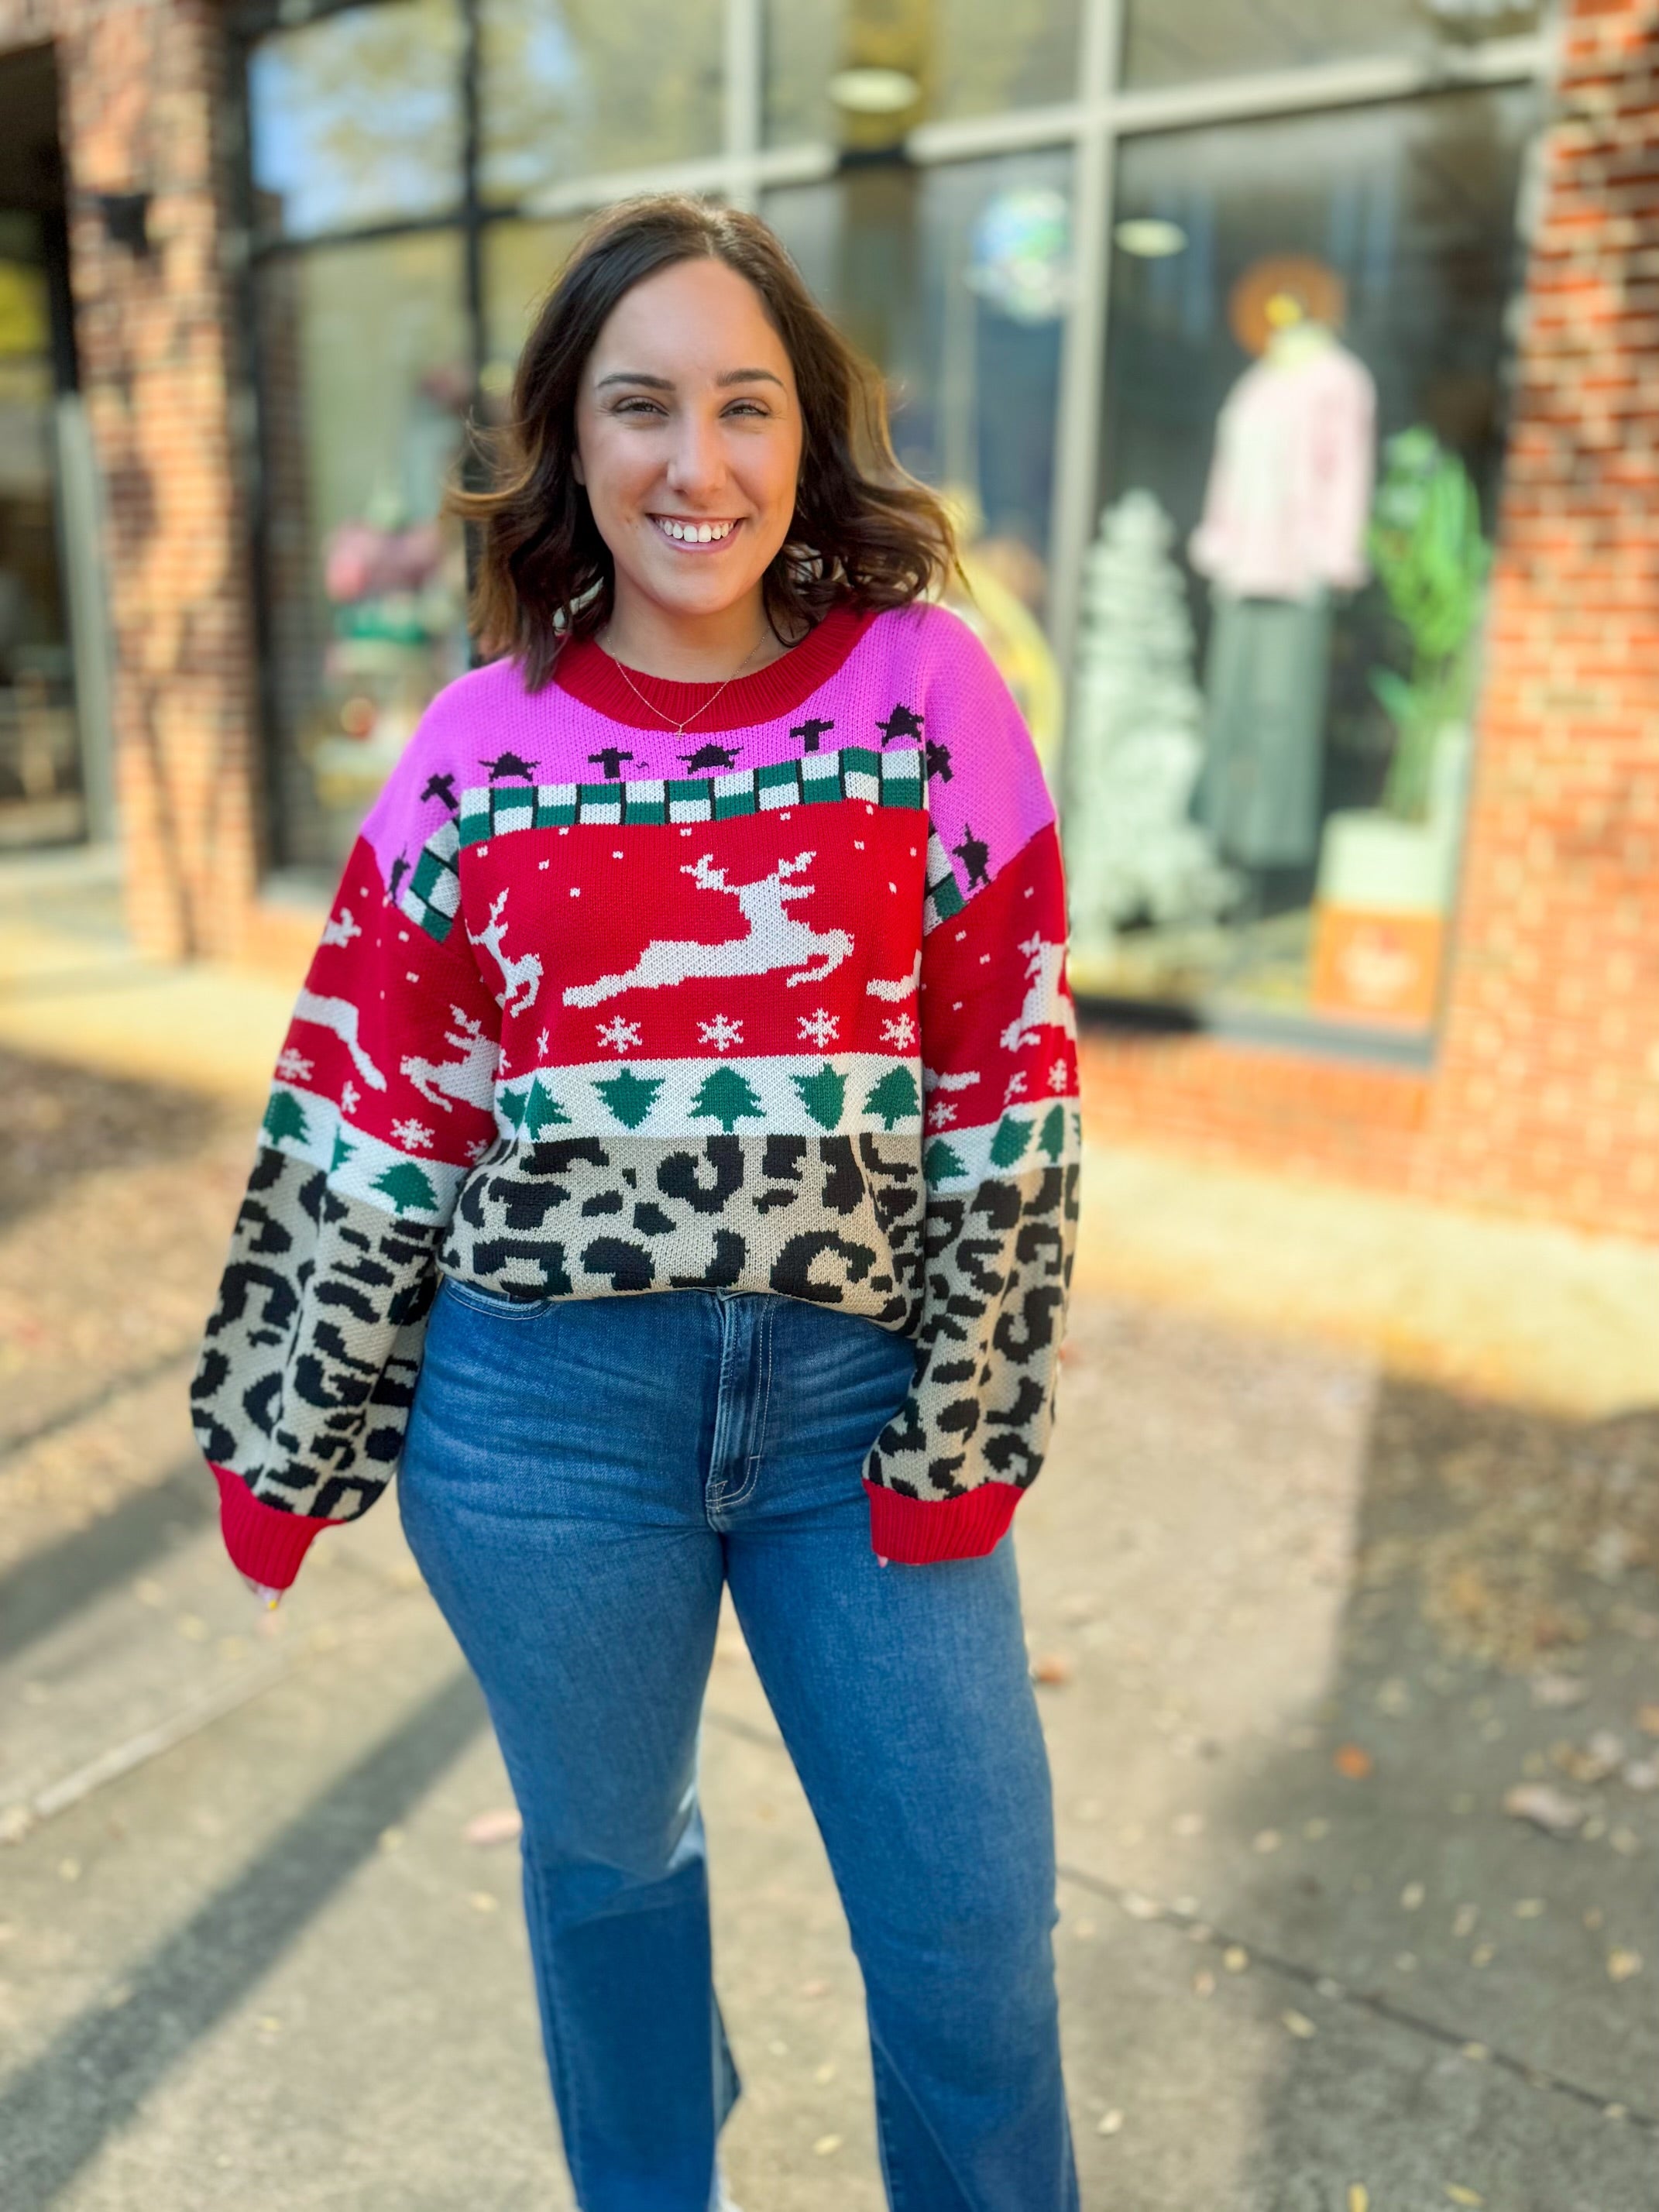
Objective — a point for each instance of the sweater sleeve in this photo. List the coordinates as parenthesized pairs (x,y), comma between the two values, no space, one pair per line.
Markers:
(1002,1135)
(381,1100)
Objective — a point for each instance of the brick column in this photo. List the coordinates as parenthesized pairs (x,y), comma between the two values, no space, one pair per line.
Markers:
(141,91)
(1548,1100)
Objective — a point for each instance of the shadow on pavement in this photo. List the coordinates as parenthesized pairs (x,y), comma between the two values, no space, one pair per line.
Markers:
(58,2112)
(47,1588)
(58,1122)
(1476,2010)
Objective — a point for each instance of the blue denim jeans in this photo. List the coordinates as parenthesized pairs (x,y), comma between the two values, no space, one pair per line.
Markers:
(579,1479)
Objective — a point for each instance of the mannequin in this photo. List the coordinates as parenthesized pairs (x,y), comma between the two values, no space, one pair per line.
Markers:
(1284,526)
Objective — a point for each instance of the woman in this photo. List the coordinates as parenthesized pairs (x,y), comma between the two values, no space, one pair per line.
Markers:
(671,922)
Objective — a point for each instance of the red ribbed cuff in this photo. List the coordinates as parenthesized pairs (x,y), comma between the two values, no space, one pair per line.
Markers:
(916,1530)
(264,1543)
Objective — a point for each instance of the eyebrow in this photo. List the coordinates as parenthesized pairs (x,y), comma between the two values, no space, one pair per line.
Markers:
(667,384)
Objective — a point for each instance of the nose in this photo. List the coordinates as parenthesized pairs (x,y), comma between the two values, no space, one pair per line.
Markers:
(696,465)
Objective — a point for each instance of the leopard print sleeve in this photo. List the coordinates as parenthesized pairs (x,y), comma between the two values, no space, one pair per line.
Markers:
(1001,1147)
(381,1101)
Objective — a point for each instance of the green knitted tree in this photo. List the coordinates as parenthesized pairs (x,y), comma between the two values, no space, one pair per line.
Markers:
(1010,1141)
(629,1097)
(727,1098)
(406,1185)
(285,1117)
(1051,1137)
(823,1094)
(542,1110)
(895,1097)
(942,1161)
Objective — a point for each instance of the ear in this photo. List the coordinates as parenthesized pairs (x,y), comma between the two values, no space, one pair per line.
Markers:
(576,468)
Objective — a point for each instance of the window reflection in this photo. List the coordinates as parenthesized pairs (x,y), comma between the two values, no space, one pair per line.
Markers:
(1269,740)
(957,282)
(583,85)
(862,73)
(1183,41)
(366,380)
(356,119)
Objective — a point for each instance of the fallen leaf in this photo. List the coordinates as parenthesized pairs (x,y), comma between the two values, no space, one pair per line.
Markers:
(1109,2123)
(390,1839)
(1546,1807)
(1641,1774)
(1268,1839)
(1352,1760)
(499,1825)
(1625,1841)
(1204,1983)
(481,1901)
(1459,2195)
(1646,1719)
(1553,1692)
(1052,1667)
(1299,2025)
(815,1989)
(1479,2052)
(826,2146)
(1621,1965)
(1411,1896)
(1467,1916)
(1359,2198)
(1529,1908)
(825,2073)
(1141,1908)
(1235,1958)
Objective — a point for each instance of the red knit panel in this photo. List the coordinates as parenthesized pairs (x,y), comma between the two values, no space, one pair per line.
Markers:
(264,1544)
(966,1528)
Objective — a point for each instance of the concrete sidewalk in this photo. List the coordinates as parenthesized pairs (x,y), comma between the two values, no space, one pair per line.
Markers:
(1305,1610)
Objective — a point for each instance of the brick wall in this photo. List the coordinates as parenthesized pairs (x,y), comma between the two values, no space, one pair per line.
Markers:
(1545,1098)
(141,103)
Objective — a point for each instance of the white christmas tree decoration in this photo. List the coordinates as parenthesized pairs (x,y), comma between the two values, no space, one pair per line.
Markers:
(1135,744)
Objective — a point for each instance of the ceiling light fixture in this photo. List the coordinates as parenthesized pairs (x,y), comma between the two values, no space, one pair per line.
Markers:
(874,91)
(1149,237)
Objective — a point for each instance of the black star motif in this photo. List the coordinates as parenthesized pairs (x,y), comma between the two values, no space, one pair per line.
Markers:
(809,733)
(901,723)
(610,758)
(973,853)
(442,787)
(939,761)
(399,870)
(507,764)
(711,756)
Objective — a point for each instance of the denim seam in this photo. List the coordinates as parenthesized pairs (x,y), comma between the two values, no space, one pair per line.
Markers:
(496,1303)
(752,1461)
(713,1492)
(570,2113)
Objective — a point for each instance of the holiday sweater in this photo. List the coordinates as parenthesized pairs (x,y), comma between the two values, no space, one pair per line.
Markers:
(775,1005)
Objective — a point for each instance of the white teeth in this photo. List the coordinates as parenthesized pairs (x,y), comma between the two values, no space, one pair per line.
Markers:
(695,534)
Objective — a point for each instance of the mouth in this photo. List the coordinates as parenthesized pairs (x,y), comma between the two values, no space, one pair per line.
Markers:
(694,532)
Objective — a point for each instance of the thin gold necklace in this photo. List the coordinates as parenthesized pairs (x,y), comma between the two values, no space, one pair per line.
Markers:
(680,728)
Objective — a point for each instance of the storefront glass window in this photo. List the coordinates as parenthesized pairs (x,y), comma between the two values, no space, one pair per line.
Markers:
(864,70)
(366,380)
(356,119)
(39,759)
(957,281)
(1270,730)
(521,260)
(582,87)
(1185,41)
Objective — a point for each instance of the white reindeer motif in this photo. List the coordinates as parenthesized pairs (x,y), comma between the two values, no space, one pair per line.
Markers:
(1045,1006)
(522,976)
(340,1015)
(341,929)
(471,1079)
(771,938)
(901,987)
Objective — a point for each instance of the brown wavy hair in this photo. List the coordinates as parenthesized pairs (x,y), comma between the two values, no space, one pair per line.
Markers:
(863,530)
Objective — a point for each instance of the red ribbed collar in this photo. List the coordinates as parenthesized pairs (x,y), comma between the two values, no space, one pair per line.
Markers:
(587,672)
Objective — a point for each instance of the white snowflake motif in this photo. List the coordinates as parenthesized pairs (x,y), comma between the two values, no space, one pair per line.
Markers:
(293,1066)
(900,1032)
(819,1028)
(414,1135)
(619,1034)
(349,1095)
(721,1033)
(1058,1075)
(476,1151)
(939,1113)
(1016,1087)
(541,1044)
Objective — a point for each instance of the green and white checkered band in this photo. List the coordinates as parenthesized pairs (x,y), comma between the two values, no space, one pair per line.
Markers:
(432,895)
(944,892)
(855,772)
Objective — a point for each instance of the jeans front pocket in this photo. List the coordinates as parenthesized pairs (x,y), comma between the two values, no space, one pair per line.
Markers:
(499,1304)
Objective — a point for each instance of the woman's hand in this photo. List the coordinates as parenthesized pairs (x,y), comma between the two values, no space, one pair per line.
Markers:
(271,1598)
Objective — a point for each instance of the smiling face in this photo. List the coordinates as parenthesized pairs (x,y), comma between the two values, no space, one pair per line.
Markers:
(689,441)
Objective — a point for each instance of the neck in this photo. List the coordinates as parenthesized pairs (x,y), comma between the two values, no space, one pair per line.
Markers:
(689,649)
